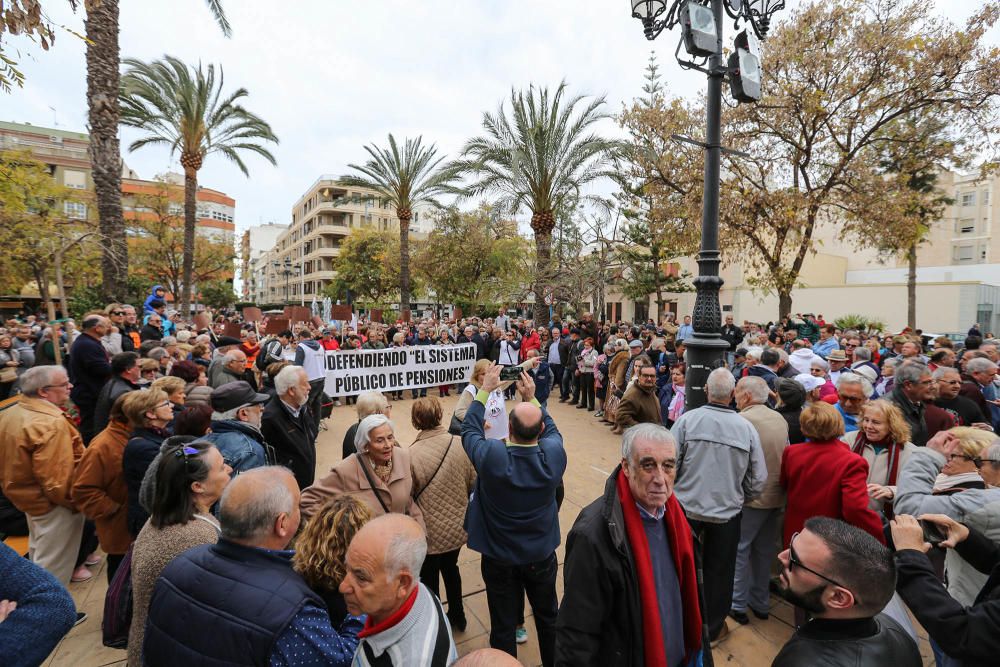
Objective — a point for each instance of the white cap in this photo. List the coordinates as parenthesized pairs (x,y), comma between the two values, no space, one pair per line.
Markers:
(809,382)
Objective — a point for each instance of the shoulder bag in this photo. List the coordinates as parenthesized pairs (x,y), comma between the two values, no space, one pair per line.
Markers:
(436,470)
(368,476)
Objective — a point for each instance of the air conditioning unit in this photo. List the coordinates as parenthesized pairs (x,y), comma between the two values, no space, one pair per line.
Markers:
(56,140)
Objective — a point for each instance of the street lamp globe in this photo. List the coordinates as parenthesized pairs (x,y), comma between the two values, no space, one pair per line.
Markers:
(647,10)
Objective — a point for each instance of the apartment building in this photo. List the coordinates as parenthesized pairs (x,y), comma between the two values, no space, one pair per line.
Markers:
(215,210)
(256,242)
(300,264)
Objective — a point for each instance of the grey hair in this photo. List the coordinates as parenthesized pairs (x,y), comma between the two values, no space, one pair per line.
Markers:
(720,385)
(820,362)
(754,353)
(157,353)
(405,552)
(862,354)
(367,425)
(254,519)
(287,378)
(855,378)
(941,371)
(781,355)
(980,365)
(892,362)
(35,378)
(992,454)
(370,403)
(647,431)
(231,356)
(755,387)
(228,414)
(912,371)
(168,340)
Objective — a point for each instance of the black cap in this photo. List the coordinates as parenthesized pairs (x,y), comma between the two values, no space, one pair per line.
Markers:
(790,392)
(226,341)
(235,395)
(741,351)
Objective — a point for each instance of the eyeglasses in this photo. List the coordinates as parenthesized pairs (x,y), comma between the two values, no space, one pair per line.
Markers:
(849,345)
(63,385)
(963,457)
(793,562)
(164,404)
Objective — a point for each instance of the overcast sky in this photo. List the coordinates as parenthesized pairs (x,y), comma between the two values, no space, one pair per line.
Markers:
(333,75)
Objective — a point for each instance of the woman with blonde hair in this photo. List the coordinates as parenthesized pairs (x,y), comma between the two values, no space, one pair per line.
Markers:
(495,421)
(321,546)
(883,440)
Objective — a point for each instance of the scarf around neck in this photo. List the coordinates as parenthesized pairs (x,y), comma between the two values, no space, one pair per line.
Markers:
(682,552)
(894,450)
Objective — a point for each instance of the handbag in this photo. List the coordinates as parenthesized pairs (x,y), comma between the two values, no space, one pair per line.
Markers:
(455,427)
(368,476)
(118,606)
(436,470)
(611,404)
(8,374)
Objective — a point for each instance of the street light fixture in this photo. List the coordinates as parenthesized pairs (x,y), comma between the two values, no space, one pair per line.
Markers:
(287,268)
(706,349)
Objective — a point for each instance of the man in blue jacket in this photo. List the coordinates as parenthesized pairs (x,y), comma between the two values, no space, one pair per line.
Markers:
(513,518)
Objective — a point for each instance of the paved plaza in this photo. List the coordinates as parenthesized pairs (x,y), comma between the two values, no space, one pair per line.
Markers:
(592,452)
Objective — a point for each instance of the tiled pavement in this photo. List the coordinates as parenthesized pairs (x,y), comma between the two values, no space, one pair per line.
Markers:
(593,453)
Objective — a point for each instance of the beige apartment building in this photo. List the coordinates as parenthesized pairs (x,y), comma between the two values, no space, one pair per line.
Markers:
(300,264)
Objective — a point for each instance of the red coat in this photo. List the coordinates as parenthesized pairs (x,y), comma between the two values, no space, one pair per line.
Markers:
(826,479)
(532,342)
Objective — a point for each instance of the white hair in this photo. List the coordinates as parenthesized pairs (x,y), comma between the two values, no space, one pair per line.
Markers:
(287,378)
(862,354)
(855,378)
(720,384)
(648,431)
(754,387)
(35,378)
(365,428)
(821,363)
(754,353)
(405,552)
(227,415)
(980,365)
(231,356)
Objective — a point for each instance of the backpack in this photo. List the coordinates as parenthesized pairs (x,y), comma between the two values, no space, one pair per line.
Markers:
(261,362)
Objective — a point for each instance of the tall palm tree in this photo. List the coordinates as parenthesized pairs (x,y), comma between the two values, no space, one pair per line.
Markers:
(539,157)
(184,108)
(105,151)
(405,180)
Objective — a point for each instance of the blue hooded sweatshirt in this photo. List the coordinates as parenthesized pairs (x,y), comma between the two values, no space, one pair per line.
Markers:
(147,307)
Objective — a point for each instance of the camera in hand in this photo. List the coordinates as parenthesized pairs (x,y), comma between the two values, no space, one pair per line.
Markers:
(932,533)
(508,373)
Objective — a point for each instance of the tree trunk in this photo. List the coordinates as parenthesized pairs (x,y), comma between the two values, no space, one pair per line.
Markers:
(103,81)
(543,257)
(784,302)
(190,220)
(911,287)
(57,264)
(404,259)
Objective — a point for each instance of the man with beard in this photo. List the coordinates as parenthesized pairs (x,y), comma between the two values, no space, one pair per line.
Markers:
(843,578)
(965,411)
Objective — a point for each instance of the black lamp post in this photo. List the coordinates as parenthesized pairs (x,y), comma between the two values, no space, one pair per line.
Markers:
(702,24)
(287,268)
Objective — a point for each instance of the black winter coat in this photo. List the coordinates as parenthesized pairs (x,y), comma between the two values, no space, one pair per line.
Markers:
(89,369)
(970,634)
(600,618)
(149,332)
(293,440)
(114,388)
(141,449)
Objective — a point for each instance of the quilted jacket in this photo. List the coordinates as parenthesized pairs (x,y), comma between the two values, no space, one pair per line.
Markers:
(443,499)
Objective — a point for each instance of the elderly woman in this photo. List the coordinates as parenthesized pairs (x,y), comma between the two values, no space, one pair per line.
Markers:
(378,473)
(9,362)
(495,421)
(196,389)
(883,440)
(820,368)
(148,413)
(321,547)
(173,387)
(672,395)
(369,403)
(189,480)
(443,477)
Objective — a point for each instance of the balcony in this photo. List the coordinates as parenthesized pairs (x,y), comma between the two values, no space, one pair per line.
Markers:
(325,274)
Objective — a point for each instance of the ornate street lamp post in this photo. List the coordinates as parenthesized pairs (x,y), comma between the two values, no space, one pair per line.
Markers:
(701,24)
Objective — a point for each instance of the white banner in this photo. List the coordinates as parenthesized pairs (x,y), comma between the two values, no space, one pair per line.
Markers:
(398,368)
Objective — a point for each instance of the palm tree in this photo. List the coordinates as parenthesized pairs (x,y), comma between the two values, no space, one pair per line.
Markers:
(105,151)
(184,108)
(405,180)
(540,157)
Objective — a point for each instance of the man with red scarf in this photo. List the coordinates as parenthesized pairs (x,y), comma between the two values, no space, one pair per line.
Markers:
(631,572)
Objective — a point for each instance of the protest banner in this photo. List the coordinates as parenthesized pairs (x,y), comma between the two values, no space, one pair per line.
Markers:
(231,329)
(276,325)
(252,314)
(341,313)
(397,368)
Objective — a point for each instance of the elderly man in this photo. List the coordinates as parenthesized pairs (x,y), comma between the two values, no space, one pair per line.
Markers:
(639,404)
(229,370)
(685,330)
(911,388)
(827,343)
(288,426)
(838,361)
(556,353)
(767,369)
(513,519)
(843,577)
(720,466)
(964,411)
(116,341)
(853,390)
(632,541)
(219,363)
(311,357)
(406,624)
(982,389)
(125,376)
(760,525)
(240,601)
(236,417)
(39,452)
(89,369)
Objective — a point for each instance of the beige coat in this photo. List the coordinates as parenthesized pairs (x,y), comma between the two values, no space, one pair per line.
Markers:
(443,496)
(39,452)
(878,465)
(348,477)
(773,431)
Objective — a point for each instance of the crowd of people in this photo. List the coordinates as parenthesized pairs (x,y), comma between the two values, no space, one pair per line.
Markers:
(861,469)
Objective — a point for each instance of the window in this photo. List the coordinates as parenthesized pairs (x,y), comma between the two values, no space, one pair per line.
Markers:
(986,197)
(965,226)
(75,179)
(175,209)
(75,210)
(968,199)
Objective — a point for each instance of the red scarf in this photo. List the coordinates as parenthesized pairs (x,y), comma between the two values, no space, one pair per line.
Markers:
(372,628)
(895,450)
(682,550)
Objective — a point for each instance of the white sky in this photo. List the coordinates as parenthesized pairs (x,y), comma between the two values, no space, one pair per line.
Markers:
(333,75)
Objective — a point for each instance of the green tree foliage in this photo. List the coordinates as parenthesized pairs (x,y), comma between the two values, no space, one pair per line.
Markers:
(368,266)
(187,109)
(217,294)
(475,260)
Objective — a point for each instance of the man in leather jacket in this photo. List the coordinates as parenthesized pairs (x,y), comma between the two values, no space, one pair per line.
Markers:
(843,577)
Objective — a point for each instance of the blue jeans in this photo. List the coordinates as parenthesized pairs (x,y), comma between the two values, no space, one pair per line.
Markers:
(506,586)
